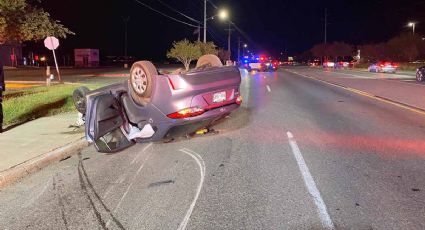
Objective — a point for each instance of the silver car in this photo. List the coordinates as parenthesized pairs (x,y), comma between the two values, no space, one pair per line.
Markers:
(150,106)
(383,67)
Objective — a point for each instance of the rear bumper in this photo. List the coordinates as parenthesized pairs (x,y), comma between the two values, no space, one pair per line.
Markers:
(179,127)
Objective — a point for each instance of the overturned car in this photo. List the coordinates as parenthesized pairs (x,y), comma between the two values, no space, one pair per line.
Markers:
(151,106)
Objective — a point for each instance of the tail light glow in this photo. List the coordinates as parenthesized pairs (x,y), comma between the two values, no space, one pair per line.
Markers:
(186,113)
(239,100)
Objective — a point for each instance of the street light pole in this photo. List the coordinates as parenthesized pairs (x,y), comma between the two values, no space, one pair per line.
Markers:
(205,21)
(125,40)
(413,25)
(239,49)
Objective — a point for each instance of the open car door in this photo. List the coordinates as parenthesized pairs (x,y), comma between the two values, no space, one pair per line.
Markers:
(104,119)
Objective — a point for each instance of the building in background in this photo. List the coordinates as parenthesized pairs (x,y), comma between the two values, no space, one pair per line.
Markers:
(11,54)
(86,58)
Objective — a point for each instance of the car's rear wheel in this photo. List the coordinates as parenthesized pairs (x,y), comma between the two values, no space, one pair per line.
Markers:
(142,75)
(209,60)
(419,76)
(79,98)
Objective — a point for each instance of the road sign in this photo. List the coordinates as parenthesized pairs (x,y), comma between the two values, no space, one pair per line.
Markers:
(51,43)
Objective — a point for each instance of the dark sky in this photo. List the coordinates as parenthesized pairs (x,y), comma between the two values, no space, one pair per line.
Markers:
(269,25)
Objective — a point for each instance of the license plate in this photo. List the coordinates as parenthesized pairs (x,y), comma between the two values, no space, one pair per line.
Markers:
(219,97)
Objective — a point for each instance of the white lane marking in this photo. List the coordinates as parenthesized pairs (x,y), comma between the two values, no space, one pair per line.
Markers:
(123,177)
(268,88)
(128,187)
(201,165)
(143,150)
(311,185)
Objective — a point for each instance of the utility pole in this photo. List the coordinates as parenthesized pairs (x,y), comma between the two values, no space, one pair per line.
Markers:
(125,19)
(239,49)
(205,21)
(326,25)
(199,33)
(228,37)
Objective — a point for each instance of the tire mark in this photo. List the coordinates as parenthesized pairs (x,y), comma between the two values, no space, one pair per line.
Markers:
(91,187)
(57,191)
(84,189)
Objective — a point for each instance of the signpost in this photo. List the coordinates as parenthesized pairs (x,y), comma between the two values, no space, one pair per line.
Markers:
(52,43)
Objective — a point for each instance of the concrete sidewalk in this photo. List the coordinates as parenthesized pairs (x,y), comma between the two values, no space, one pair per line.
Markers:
(33,145)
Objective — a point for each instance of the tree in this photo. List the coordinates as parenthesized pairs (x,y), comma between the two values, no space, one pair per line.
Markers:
(207,48)
(185,52)
(340,49)
(374,52)
(405,47)
(19,22)
(224,55)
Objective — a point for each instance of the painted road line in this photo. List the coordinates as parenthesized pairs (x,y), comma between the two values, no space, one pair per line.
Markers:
(362,93)
(139,154)
(128,187)
(201,165)
(268,88)
(311,185)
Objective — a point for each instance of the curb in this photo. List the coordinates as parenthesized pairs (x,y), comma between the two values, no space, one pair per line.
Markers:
(11,175)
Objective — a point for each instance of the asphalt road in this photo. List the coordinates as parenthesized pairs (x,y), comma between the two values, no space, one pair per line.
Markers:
(299,154)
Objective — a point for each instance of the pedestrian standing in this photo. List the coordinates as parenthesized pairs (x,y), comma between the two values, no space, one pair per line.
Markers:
(2,88)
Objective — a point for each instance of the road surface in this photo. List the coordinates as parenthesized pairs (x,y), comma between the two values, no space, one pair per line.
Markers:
(299,154)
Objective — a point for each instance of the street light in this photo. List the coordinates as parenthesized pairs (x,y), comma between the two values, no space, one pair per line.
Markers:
(244,47)
(413,25)
(223,14)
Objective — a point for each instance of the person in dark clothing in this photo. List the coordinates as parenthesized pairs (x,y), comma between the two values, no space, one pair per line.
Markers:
(2,88)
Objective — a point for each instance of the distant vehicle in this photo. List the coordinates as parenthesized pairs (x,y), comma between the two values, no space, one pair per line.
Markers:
(259,63)
(150,106)
(328,64)
(342,65)
(420,74)
(383,67)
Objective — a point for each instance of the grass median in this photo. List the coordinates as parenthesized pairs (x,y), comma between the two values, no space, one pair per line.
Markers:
(20,106)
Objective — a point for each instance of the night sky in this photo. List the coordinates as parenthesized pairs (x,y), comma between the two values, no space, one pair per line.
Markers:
(269,25)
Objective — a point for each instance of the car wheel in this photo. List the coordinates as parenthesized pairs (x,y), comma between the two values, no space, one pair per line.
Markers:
(79,98)
(141,81)
(419,76)
(209,60)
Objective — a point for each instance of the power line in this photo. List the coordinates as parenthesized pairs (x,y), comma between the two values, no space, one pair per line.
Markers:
(182,14)
(165,15)
(212,4)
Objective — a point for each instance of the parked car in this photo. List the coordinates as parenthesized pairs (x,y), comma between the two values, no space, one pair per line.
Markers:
(150,106)
(420,74)
(383,67)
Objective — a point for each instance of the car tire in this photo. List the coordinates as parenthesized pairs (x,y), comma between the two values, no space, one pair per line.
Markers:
(79,99)
(142,75)
(210,60)
(419,76)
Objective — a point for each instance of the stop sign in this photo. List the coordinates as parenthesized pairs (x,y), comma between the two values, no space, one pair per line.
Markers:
(51,43)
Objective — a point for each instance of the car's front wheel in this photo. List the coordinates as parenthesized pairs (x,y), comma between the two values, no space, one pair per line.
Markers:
(79,98)
(419,76)
(142,75)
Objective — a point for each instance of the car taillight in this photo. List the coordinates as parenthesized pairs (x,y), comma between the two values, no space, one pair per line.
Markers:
(239,100)
(177,82)
(188,112)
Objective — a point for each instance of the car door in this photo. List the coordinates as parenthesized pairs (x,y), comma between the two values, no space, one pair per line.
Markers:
(104,119)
